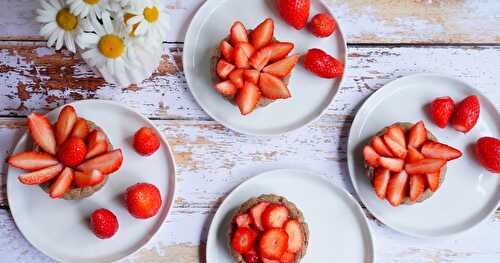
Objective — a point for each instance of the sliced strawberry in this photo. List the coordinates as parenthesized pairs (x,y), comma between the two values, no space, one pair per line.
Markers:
(247,98)
(97,144)
(227,50)
(65,122)
(80,129)
(393,164)
(243,220)
(273,243)
(380,181)
(240,57)
(251,75)
(417,186)
(41,176)
(107,163)
(433,180)
(296,235)
(438,150)
(226,88)
(272,87)
(288,257)
(260,58)
(417,135)
(237,78)
(283,67)
(413,155)
(425,166)
(266,260)
(84,179)
(42,133)
(397,134)
(371,156)
(396,188)
(262,34)
(274,216)
(280,50)
(247,47)
(379,146)
(238,33)
(256,214)
(31,161)
(397,149)
(251,257)
(224,68)
(243,240)
(63,182)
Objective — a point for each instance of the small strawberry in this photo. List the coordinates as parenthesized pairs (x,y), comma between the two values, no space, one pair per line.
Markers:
(103,223)
(320,63)
(65,122)
(224,68)
(466,114)
(294,12)
(42,133)
(417,135)
(243,220)
(280,50)
(143,200)
(243,240)
(396,188)
(41,176)
(371,156)
(438,150)
(433,180)
(296,235)
(425,166)
(238,33)
(256,214)
(393,164)
(236,78)
(283,67)
(63,182)
(146,141)
(247,98)
(106,163)
(72,152)
(96,144)
(80,129)
(262,34)
(380,181)
(322,25)
(397,149)
(488,153)
(226,50)
(226,88)
(413,155)
(379,146)
(251,75)
(273,87)
(441,110)
(273,244)
(274,216)
(260,58)
(32,161)
(417,186)
(88,178)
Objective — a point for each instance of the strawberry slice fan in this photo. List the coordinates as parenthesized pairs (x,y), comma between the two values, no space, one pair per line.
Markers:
(70,159)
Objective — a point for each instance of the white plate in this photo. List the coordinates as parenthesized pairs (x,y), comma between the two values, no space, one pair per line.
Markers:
(311,95)
(468,195)
(338,229)
(59,228)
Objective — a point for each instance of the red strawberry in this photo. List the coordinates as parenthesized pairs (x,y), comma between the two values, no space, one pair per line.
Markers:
(251,257)
(80,129)
(273,243)
(294,12)
(397,149)
(413,155)
(287,257)
(227,50)
(243,240)
(243,220)
(397,134)
(247,98)
(322,25)
(238,33)
(417,135)
(396,188)
(106,163)
(260,59)
(97,144)
(226,88)
(283,67)
(320,63)
(65,122)
(272,87)
(296,235)
(393,164)
(441,110)
(146,141)
(438,150)
(417,186)
(237,78)
(371,156)
(380,181)
(266,260)
(425,166)
(466,114)
(251,75)
(42,133)
(89,178)
(240,57)
(41,176)
(433,180)
(262,34)
(379,146)
(32,161)
(103,223)
(280,50)
(488,153)
(143,200)
(224,68)
(256,214)
(247,48)
(63,182)
(72,152)
(274,216)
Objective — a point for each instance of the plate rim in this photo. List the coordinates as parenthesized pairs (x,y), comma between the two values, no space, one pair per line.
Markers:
(172,180)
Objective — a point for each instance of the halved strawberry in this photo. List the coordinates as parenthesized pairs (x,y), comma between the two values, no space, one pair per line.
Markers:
(63,182)
(272,87)
(396,188)
(247,47)
(433,180)
(226,50)
(237,78)
(413,155)
(274,216)
(296,235)
(240,57)
(84,179)
(243,220)
(224,68)
(80,129)
(262,34)
(273,243)
(226,88)
(42,133)
(283,67)
(280,50)
(97,144)
(397,149)
(65,122)
(438,150)
(107,163)
(243,240)
(260,58)
(397,134)
(371,156)
(417,135)
(288,257)
(380,181)
(247,98)
(379,146)
(256,214)
(238,33)
(251,75)
(31,161)
(425,166)
(393,164)
(41,176)
(417,186)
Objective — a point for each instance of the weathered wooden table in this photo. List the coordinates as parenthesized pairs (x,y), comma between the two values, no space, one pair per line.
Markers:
(387,39)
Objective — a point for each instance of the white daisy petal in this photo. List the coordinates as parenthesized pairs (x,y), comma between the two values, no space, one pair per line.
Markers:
(52,39)
(48,29)
(60,40)
(69,42)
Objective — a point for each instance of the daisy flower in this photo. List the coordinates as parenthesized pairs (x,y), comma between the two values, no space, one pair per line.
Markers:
(149,18)
(83,8)
(61,26)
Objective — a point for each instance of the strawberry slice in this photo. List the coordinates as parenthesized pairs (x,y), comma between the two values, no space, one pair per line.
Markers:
(262,34)
(266,260)
(274,216)
(88,178)
(379,146)
(65,122)
(413,155)
(238,33)
(397,134)
(260,59)
(283,67)
(243,240)
(252,257)
(396,188)
(247,98)
(256,214)
(243,220)
(240,57)
(80,129)
(31,161)
(224,68)
(97,144)
(107,163)
(272,87)
(438,150)
(417,135)
(237,78)
(251,75)
(41,176)
(42,133)
(433,180)
(417,186)
(397,149)
(273,243)
(280,50)
(425,166)
(296,235)
(227,50)
(393,164)
(380,181)
(247,47)
(226,88)
(371,156)
(63,182)
(288,257)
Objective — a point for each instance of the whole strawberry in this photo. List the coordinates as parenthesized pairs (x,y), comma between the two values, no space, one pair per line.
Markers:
(441,110)
(488,153)
(143,200)
(103,223)
(320,63)
(294,12)
(466,114)
(72,152)
(146,141)
(322,25)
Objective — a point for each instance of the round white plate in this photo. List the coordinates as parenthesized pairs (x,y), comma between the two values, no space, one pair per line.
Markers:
(468,195)
(311,95)
(338,229)
(59,228)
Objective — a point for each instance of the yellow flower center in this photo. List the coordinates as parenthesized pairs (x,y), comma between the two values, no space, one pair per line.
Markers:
(91,2)
(151,14)
(126,17)
(66,20)
(111,46)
